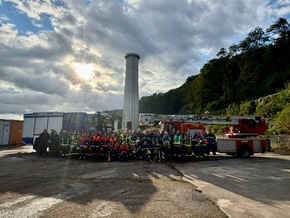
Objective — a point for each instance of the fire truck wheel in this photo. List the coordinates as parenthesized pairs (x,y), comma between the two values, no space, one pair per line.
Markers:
(244,151)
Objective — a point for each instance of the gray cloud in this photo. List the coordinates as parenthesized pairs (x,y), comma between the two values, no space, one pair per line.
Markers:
(173,38)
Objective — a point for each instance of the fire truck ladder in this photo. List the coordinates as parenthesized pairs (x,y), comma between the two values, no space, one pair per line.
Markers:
(208,119)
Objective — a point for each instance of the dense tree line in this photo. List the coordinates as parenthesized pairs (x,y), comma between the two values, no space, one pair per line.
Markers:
(258,66)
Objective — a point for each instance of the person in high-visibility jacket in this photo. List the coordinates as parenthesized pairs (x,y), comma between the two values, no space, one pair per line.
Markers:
(188,144)
(123,151)
(177,144)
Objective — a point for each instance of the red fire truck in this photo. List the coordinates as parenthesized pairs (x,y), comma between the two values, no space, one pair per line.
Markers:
(243,135)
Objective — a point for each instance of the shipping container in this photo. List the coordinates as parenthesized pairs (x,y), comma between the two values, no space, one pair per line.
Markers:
(36,122)
(16,132)
(10,132)
(4,131)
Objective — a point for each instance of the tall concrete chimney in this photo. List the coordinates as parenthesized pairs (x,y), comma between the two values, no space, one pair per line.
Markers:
(131,94)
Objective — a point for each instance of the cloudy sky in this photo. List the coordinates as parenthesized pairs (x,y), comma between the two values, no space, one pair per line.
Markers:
(68,55)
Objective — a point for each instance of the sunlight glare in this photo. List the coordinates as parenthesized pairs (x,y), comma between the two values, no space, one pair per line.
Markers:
(84,71)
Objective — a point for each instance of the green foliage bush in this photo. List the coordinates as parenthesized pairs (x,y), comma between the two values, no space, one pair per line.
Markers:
(282,122)
(233,109)
(216,129)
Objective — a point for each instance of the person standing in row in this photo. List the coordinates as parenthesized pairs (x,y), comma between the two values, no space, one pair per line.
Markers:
(43,142)
(211,143)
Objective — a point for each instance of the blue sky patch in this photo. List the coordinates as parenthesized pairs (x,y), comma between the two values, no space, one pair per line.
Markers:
(22,22)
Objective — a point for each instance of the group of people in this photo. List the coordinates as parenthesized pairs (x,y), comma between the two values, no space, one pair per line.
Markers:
(125,144)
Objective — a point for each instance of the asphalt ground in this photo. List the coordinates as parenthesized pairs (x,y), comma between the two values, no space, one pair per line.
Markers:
(32,186)
(258,186)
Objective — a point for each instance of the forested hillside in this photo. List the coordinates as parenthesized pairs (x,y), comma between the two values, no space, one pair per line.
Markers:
(258,66)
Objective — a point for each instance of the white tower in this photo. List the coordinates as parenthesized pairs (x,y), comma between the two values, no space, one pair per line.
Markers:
(131,94)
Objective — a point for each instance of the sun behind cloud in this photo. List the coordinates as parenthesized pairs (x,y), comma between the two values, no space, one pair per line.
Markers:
(84,71)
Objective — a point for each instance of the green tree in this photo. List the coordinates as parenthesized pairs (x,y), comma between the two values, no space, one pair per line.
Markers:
(280,31)
(232,82)
(234,50)
(233,110)
(255,39)
(282,122)
(222,53)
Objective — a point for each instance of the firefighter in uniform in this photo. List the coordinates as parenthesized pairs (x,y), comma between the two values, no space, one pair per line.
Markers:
(65,143)
(166,147)
(123,151)
(188,145)
(177,144)
(211,143)
(54,143)
(199,147)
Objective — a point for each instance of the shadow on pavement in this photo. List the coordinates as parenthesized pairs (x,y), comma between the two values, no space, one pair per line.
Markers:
(81,181)
(264,179)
